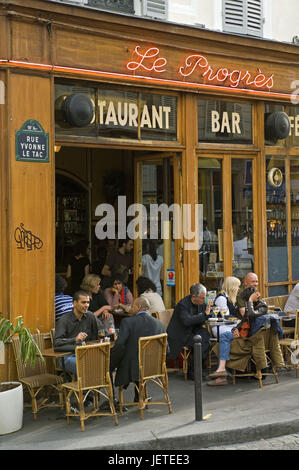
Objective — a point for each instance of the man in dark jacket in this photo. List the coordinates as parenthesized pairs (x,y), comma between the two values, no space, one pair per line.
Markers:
(188,319)
(124,354)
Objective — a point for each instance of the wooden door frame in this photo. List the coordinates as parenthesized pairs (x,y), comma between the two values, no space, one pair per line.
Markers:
(177,184)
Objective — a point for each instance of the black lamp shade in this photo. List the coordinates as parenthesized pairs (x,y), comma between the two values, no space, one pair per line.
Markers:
(77,110)
(277,126)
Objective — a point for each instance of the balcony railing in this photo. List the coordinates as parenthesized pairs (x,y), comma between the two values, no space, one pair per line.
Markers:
(118,6)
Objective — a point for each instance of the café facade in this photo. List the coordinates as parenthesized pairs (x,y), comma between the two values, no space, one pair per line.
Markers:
(101,112)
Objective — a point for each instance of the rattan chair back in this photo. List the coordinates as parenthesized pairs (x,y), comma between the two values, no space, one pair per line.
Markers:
(93,365)
(27,370)
(165,316)
(152,355)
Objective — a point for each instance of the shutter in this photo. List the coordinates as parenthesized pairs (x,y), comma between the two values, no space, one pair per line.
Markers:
(243,17)
(255,17)
(234,16)
(156,9)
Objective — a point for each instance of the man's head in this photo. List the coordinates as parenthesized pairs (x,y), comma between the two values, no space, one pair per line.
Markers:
(81,302)
(60,285)
(139,305)
(127,245)
(198,294)
(251,280)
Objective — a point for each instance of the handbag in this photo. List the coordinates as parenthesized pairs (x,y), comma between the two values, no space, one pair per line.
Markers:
(244,329)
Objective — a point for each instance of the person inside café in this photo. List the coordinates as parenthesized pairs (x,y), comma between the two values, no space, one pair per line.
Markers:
(98,304)
(74,328)
(124,354)
(189,319)
(118,294)
(120,262)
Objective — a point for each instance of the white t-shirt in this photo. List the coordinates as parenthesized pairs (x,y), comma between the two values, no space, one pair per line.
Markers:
(152,270)
(155,300)
(293,300)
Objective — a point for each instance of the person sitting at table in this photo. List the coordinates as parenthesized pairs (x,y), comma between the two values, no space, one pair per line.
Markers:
(98,304)
(188,319)
(75,327)
(226,301)
(147,289)
(63,302)
(124,354)
(255,309)
(119,294)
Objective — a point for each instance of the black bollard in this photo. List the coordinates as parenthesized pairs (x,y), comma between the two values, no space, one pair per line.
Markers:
(198,376)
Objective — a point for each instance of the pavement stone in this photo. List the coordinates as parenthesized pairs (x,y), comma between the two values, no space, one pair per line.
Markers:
(233,414)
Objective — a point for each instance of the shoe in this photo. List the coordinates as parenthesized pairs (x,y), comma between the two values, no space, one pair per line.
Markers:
(221,373)
(75,410)
(213,383)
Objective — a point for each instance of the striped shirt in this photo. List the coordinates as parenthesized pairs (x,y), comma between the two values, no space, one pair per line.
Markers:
(63,304)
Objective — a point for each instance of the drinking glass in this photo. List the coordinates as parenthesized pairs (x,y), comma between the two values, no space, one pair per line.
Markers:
(216,310)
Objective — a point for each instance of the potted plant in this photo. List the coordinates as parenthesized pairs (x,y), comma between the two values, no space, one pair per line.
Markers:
(11,393)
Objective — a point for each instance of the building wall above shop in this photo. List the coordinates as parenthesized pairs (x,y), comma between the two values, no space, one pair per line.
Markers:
(259,18)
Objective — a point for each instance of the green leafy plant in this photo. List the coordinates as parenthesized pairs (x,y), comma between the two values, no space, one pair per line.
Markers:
(29,349)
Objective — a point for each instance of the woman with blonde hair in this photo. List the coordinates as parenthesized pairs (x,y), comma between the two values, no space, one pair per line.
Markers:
(98,304)
(226,299)
(226,302)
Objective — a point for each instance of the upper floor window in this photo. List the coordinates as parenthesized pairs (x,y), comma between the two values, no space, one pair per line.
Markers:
(155,9)
(243,16)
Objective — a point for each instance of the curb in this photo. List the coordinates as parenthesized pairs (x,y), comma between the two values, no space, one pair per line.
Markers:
(210,439)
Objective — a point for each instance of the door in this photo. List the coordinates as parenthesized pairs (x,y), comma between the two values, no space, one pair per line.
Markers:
(226,190)
(158,190)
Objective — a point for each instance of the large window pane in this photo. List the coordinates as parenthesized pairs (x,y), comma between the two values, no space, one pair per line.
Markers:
(242,217)
(276,200)
(210,196)
(294,179)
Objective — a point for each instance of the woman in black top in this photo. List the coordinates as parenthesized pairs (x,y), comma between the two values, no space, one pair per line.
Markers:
(78,266)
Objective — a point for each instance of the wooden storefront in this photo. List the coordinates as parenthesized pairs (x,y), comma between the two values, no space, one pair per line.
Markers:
(210,94)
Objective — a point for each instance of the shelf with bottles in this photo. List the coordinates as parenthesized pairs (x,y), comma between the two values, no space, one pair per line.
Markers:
(71,214)
(276,233)
(276,196)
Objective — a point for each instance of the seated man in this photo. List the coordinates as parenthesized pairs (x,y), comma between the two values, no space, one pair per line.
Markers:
(188,319)
(124,354)
(74,328)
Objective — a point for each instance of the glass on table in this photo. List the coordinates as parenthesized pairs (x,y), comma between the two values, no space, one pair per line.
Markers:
(101,335)
(216,311)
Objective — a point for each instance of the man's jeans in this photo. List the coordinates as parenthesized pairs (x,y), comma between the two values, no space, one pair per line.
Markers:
(70,364)
(224,345)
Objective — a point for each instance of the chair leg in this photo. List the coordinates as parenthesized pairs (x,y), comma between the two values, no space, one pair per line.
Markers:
(260,377)
(120,398)
(141,402)
(81,408)
(275,373)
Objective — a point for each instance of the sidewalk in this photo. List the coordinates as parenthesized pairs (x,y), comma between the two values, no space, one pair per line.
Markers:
(233,414)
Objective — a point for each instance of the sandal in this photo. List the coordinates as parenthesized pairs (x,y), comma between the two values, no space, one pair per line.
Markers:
(214,383)
(221,373)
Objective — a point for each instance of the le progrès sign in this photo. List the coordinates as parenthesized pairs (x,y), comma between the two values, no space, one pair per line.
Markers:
(32,143)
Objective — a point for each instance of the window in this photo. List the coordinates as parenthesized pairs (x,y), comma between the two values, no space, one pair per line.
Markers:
(155,9)
(243,16)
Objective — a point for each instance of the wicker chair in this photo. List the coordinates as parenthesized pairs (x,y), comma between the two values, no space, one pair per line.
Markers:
(288,344)
(36,379)
(164,316)
(152,367)
(93,376)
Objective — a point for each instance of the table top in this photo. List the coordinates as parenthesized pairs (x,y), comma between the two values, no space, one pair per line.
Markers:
(49,352)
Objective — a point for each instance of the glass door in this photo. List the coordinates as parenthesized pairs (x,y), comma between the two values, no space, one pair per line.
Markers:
(229,204)
(157,194)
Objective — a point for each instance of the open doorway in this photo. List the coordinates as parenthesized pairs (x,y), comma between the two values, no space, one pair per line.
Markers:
(87,178)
